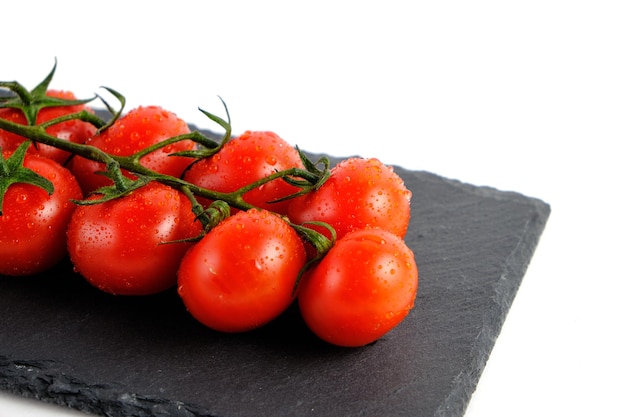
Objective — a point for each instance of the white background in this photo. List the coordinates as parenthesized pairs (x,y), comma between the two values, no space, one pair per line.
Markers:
(528,96)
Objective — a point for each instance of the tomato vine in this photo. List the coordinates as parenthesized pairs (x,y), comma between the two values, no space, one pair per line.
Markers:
(273,226)
(31,102)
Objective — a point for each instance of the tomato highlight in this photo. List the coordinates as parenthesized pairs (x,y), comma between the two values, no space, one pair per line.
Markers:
(33,223)
(240,276)
(364,287)
(128,246)
(245,159)
(361,192)
(134,132)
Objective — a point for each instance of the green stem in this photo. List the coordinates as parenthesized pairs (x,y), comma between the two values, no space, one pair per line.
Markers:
(129,163)
(115,163)
(4,168)
(195,136)
(290,172)
(18,89)
(83,115)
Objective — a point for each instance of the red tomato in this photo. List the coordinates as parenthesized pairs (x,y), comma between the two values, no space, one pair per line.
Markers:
(75,131)
(364,287)
(241,274)
(137,130)
(33,223)
(360,193)
(244,160)
(120,246)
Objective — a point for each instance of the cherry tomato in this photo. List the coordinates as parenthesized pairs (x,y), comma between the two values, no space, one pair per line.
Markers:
(242,273)
(137,130)
(244,160)
(364,287)
(75,131)
(33,223)
(121,246)
(360,193)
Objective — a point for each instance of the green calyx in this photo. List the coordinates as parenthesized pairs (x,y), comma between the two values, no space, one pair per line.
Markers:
(13,171)
(31,102)
(320,243)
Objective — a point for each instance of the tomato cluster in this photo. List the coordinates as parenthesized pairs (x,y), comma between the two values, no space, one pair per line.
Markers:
(235,273)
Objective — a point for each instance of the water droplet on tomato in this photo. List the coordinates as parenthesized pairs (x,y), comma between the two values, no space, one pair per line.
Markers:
(21,197)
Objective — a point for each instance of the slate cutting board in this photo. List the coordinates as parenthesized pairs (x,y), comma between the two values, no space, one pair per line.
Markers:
(64,342)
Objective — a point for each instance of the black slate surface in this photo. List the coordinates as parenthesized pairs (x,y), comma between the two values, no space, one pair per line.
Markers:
(64,342)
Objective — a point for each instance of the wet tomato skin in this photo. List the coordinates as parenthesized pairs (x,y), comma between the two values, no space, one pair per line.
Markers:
(33,223)
(244,160)
(363,288)
(360,193)
(121,246)
(242,273)
(140,128)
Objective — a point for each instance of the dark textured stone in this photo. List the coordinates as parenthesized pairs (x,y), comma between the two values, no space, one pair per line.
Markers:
(64,342)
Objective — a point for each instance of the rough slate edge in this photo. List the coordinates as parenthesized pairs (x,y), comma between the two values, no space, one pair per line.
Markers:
(505,291)
(46,381)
